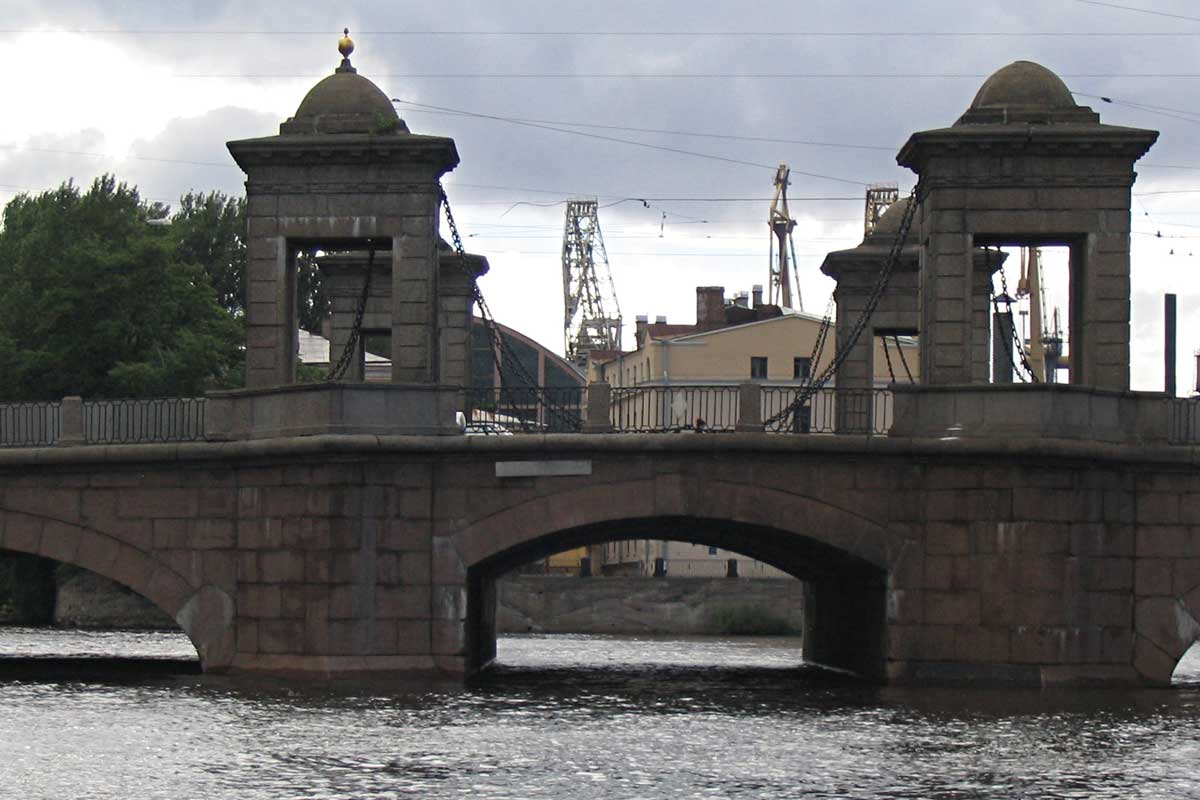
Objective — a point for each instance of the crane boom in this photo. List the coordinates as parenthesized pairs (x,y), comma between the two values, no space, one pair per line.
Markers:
(783,252)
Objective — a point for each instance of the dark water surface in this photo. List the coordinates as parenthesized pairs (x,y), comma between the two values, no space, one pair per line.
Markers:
(581,717)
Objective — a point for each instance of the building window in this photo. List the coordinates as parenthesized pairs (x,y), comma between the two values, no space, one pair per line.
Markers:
(712,551)
(758,368)
(801,368)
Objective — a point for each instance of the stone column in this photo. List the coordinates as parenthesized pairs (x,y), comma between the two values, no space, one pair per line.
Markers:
(456,295)
(598,418)
(750,408)
(415,290)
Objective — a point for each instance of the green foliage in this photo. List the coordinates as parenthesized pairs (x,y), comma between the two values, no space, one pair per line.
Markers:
(210,231)
(383,123)
(98,301)
(749,621)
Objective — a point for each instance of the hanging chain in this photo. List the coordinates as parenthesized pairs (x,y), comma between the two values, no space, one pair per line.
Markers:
(1014,345)
(903,360)
(501,351)
(843,351)
(338,370)
(822,335)
(887,355)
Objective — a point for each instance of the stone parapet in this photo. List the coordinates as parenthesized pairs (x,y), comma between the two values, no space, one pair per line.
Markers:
(1030,411)
(332,408)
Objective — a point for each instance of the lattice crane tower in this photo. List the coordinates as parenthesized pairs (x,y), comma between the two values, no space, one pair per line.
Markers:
(880,197)
(592,315)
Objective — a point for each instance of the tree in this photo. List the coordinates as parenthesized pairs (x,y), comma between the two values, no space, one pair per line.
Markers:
(210,231)
(97,300)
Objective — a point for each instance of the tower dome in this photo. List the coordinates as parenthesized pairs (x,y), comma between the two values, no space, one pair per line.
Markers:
(345,102)
(1025,92)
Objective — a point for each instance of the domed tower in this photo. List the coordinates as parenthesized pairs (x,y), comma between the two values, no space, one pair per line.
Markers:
(345,176)
(1025,165)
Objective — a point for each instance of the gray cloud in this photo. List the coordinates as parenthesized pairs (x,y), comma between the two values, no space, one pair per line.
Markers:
(874,111)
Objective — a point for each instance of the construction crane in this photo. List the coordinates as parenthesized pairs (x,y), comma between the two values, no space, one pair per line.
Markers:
(880,197)
(1045,341)
(591,313)
(782,260)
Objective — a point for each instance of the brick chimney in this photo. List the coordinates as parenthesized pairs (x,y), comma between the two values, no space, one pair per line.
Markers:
(710,305)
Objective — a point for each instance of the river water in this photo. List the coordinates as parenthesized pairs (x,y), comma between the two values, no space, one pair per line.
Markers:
(580,717)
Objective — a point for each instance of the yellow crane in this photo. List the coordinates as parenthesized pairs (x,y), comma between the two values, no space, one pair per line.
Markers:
(783,251)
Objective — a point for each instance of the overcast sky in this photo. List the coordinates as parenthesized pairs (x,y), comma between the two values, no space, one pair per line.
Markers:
(152,91)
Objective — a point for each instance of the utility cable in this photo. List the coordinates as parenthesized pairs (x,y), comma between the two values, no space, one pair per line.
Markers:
(635,143)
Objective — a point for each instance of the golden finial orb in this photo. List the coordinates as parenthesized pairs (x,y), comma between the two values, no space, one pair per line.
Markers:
(345,44)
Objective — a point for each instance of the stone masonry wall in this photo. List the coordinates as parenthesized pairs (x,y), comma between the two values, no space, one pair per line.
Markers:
(1040,563)
(672,606)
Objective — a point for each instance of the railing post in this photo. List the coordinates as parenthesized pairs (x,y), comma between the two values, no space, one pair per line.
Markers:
(750,408)
(218,419)
(599,408)
(70,422)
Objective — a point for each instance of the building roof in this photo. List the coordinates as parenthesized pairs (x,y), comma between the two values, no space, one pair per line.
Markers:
(314,349)
(787,315)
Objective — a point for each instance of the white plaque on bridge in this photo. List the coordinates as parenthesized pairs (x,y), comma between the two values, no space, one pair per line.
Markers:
(542,469)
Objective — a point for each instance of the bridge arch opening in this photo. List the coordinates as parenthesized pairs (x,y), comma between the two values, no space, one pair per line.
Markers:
(844,604)
(205,613)
(69,614)
(1187,670)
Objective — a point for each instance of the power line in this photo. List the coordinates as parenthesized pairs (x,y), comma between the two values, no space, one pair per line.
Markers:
(428,109)
(688,200)
(774,34)
(635,143)
(51,150)
(873,76)
(1162,111)
(1138,10)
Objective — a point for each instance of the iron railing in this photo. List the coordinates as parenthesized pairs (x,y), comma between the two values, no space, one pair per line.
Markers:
(165,419)
(1183,420)
(860,411)
(29,424)
(649,409)
(501,411)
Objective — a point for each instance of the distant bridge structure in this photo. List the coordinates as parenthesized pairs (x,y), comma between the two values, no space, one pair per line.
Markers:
(951,531)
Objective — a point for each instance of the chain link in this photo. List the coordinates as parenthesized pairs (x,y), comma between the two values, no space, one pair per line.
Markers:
(502,352)
(903,360)
(1015,346)
(843,351)
(338,370)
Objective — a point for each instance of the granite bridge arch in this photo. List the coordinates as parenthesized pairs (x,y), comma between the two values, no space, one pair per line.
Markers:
(842,554)
(1022,561)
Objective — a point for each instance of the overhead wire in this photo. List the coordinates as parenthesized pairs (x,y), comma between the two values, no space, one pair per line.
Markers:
(635,143)
(773,34)
(428,109)
(1149,11)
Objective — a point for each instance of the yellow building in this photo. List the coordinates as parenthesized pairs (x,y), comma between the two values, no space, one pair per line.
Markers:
(686,377)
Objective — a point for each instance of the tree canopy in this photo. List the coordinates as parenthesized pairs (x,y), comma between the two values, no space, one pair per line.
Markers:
(100,296)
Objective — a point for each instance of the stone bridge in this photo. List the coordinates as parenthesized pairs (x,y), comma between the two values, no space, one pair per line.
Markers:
(1029,561)
(1037,535)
